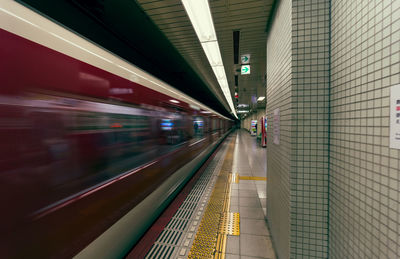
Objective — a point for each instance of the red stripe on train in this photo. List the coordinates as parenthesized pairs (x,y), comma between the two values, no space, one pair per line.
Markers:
(28,66)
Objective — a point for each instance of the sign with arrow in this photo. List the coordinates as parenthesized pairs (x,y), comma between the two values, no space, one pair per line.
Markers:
(245,59)
(245,70)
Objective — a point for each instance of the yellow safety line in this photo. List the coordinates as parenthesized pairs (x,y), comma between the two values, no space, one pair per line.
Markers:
(255,178)
(210,239)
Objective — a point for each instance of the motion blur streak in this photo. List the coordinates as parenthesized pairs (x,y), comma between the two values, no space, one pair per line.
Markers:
(82,146)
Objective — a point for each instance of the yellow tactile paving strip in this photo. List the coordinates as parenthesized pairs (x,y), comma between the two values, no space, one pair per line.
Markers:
(217,222)
(230,223)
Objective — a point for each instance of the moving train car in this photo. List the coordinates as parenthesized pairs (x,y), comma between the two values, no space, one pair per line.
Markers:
(91,147)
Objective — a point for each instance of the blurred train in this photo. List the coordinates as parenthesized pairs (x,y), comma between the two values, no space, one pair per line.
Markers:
(91,147)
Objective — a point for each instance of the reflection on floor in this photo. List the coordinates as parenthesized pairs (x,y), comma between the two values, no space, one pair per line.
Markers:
(248,198)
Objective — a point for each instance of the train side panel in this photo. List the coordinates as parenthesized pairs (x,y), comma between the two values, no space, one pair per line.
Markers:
(81,147)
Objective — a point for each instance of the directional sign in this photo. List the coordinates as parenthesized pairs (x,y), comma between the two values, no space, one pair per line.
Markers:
(245,59)
(245,70)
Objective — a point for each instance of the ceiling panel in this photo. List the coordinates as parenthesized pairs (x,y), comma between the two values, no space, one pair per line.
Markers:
(249,17)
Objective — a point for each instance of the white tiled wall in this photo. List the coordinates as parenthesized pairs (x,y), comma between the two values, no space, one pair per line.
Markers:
(309,178)
(279,70)
(364,171)
(330,66)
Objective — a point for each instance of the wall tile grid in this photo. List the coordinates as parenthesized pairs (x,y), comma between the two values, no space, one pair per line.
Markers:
(365,173)
(309,179)
(279,71)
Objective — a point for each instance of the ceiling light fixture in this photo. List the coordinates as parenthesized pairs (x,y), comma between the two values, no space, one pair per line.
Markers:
(261,98)
(200,16)
(174,101)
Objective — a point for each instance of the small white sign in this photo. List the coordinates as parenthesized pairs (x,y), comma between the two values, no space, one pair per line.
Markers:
(245,59)
(245,69)
(395,117)
(277,130)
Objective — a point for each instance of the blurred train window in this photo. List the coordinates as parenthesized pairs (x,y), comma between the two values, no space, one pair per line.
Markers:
(198,126)
(68,144)
(167,124)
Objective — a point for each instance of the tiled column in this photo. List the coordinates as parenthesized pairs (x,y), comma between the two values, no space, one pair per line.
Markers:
(279,91)
(309,174)
(298,167)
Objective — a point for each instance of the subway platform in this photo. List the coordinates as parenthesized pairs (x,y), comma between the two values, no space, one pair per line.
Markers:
(221,213)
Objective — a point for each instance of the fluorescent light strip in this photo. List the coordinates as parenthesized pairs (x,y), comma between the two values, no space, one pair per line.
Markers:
(200,16)
(213,53)
(219,72)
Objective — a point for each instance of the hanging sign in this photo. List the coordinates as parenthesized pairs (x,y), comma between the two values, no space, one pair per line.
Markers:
(245,59)
(245,70)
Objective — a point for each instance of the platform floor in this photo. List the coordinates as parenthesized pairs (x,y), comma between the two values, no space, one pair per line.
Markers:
(249,198)
(223,214)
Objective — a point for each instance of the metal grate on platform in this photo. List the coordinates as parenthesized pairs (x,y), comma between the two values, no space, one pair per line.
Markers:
(160,251)
(176,239)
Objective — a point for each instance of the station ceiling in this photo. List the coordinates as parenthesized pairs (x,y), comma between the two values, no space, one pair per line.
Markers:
(157,36)
(247,19)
